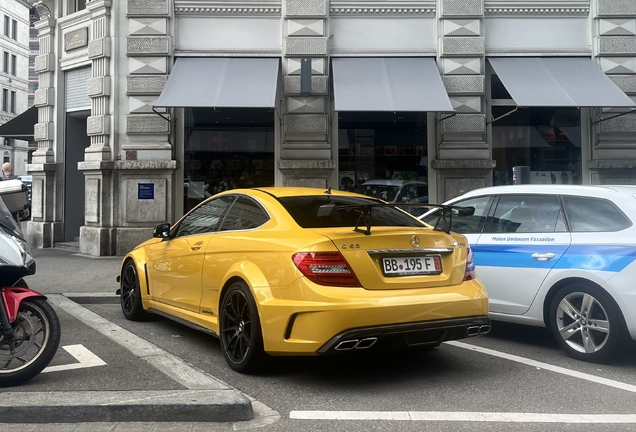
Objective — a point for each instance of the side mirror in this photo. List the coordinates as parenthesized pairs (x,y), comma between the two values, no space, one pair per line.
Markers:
(161,230)
(465,211)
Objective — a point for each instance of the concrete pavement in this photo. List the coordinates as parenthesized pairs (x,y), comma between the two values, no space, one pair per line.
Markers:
(69,278)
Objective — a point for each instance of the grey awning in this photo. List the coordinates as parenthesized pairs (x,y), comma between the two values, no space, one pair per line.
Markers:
(21,126)
(558,82)
(221,82)
(388,84)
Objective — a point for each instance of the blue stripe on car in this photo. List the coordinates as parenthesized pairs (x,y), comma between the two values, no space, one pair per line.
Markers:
(580,257)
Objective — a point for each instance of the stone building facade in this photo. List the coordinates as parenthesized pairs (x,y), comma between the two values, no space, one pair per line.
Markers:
(145,107)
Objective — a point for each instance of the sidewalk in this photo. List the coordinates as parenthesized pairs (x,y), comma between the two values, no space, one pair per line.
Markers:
(69,278)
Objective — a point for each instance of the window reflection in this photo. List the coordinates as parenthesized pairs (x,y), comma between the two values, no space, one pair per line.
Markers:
(548,140)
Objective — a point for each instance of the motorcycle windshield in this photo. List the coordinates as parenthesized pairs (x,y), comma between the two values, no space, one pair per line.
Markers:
(8,222)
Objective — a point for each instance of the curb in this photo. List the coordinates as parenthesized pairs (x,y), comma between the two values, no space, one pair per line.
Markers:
(126,406)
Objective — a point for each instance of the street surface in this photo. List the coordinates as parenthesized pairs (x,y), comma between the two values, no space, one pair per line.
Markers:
(516,378)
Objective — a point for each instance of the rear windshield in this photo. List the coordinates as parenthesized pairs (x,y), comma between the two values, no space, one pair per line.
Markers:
(304,210)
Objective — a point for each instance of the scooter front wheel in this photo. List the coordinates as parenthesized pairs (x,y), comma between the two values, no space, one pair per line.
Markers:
(36,338)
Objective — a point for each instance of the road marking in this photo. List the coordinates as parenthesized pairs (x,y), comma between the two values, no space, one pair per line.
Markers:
(464,416)
(85,357)
(546,366)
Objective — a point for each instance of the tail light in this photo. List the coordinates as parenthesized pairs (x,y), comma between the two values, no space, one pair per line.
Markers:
(326,268)
(470,272)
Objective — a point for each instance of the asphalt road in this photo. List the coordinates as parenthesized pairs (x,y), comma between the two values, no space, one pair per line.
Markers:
(516,378)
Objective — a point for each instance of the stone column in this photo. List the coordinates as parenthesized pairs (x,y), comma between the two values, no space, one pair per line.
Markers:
(45,226)
(306,155)
(143,178)
(614,140)
(463,159)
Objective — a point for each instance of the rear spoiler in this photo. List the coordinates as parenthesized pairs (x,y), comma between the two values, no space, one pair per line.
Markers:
(366,210)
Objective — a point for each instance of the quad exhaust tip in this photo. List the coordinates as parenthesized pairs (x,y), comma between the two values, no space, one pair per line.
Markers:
(478,330)
(356,344)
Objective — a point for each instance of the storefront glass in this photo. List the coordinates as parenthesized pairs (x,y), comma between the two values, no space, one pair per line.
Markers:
(382,146)
(226,149)
(547,140)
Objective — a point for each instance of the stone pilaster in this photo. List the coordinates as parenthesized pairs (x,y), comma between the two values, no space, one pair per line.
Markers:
(461,56)
(306,150)
(45,227)
(614,139)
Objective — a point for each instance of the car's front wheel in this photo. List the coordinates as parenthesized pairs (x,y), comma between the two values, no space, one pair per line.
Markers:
(241,335)
(586,322)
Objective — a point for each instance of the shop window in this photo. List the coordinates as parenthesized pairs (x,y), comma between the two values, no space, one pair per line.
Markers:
(384,155)
(497,89)
(227,149)
(548,140)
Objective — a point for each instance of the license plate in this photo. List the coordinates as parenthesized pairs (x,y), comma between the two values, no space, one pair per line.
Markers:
(407,266)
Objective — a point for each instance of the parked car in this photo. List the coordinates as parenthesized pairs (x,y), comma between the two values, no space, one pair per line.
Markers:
(557,256)
(305,271)
(397,191)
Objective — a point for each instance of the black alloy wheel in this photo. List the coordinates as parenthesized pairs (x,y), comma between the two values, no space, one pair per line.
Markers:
(241,334)
(586,322)
(130,296)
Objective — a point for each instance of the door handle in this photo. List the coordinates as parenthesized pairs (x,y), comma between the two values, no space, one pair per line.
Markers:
(543,256)
(196,247)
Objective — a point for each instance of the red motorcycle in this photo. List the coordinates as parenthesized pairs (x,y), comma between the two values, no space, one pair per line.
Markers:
(29,327)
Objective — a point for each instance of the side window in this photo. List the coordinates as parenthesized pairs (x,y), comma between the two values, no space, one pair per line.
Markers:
(464,224)
(245,214)
(205,218)
(594,215)
(528,213)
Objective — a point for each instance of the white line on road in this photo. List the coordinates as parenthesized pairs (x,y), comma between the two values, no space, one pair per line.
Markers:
(464,416)
(85,357)
(546,366)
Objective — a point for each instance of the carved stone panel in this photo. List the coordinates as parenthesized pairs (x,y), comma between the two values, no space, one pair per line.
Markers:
(462,46)
(147,45)
(145,84)
(147,7)
(306,8)
(462,7)
(464,84)
(146,124)
(306,46)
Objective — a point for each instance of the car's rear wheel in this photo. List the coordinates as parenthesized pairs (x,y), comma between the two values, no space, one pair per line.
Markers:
(241,335)
(586,322)
(130,296)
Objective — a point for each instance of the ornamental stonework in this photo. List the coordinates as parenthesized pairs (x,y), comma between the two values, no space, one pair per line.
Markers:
(462,7)
(146,124)
(462,46)
(617,45)
(626,123)
(627,83)
(319,85)
(306,124)
(616,7)
(147,7)
(148,45)
(306,46)
(464,84)
(465,123)
(145,84)
(306,8)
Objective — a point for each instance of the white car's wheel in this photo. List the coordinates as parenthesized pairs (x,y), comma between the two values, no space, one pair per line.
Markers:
(586,322)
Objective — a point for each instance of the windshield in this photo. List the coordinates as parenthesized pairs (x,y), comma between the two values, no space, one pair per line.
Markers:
(383,192)
(7,221)
(304,210)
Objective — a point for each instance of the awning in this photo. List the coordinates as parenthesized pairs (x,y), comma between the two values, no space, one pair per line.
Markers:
(21,126)
(388,84)
(558,82)
(222,83)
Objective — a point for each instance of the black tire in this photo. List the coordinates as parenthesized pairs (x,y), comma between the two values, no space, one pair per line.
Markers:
(586,322)
(240,330)
(37,337)
(130,296)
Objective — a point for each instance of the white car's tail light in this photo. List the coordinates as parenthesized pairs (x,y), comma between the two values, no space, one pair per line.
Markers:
(470,273)
(326,268)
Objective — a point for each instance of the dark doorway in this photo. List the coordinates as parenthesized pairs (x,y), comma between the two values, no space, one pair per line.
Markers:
(76,141)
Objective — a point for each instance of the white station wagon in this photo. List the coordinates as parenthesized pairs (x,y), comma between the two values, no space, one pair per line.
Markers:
(558,256)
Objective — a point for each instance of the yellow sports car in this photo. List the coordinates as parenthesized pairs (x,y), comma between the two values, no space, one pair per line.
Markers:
(305,271)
